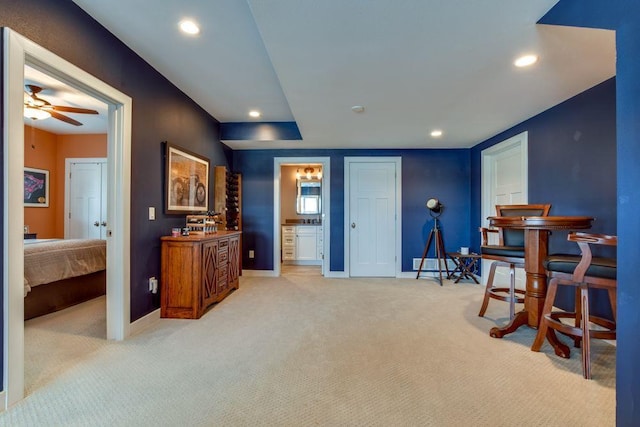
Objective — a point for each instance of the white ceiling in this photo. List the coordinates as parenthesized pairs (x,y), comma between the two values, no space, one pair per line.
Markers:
(58,93)
(415,65)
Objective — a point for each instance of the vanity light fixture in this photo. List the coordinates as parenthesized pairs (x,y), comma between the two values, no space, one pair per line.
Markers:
(319,174)
(525,61)
(189,27)
(298,174)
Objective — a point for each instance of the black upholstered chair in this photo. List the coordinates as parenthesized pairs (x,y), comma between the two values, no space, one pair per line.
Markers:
(509,252)
(582,272)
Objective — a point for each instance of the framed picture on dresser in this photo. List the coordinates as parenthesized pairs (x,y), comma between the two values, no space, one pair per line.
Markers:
(36,188)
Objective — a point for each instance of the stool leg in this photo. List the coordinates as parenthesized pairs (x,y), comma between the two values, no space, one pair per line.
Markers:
(586,341)
(546,310)
(485,302)
(614,304)
(512,291)
(578,310)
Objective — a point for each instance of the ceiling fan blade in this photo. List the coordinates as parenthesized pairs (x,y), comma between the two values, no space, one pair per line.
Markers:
(64,118)
(73,109)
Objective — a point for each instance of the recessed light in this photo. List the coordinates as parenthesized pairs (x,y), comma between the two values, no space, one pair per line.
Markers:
(436,133)
(357,109)
(526,60)
(188,26)
(254,113)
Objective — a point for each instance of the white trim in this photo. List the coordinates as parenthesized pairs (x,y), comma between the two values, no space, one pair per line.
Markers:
(259,273)
(348,161)
(522,140)
(18,52)
(67,182)
(278,162)
(3,401)
(144,322)
(337,275)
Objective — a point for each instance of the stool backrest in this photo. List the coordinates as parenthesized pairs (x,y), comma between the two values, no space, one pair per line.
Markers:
(512,236)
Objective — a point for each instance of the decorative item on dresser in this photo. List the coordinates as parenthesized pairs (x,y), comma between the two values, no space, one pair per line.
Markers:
(197,271)
(228,198)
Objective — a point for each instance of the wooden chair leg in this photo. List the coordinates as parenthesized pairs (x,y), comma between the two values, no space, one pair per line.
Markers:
(512,291)
(578,313)
(485,302)
(614,304)
(586,341)
(552,288)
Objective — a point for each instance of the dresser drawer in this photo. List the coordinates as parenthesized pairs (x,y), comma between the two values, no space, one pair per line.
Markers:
(288,239)
(288,253)
(288,229)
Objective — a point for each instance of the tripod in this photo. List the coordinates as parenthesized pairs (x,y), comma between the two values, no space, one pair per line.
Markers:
(436,236)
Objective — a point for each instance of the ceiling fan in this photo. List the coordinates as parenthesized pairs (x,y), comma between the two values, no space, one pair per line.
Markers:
(37,108)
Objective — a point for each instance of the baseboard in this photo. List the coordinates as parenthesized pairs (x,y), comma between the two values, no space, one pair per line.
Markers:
(3,401)
(258,273)
(336,275)
(144,322)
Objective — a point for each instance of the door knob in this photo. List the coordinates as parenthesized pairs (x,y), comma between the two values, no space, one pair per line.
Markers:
(353,225)
(97,224)
(103,223)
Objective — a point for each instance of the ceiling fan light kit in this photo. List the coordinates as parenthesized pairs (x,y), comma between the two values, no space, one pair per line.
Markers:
(37,108)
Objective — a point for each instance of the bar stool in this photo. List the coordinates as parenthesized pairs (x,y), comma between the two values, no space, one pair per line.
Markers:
(509,252)
(582,272)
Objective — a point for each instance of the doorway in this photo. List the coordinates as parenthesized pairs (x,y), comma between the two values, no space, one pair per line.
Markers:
(20,51)
(322,226)
(373,216)
(504,182)
(85,198)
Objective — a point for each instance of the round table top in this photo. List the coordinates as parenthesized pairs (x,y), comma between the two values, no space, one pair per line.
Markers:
(541,222)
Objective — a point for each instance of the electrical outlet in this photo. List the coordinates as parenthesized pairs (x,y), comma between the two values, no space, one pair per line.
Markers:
(153,285)
(252,254)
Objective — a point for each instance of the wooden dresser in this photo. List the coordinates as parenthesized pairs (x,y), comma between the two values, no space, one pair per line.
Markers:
(197,271)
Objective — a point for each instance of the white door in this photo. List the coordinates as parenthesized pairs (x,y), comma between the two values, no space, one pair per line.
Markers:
(504,175)
(87,211)
(372,225)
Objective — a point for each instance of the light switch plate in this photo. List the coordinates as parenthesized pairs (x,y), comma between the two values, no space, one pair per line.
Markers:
(152,213)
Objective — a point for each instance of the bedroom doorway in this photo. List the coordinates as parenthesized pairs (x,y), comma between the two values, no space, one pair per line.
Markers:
(20,51)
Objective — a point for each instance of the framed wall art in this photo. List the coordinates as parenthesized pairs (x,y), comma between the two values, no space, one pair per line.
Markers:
(36,188)
(187,181)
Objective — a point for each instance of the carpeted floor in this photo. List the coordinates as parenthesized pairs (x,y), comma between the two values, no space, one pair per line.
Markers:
(302,350)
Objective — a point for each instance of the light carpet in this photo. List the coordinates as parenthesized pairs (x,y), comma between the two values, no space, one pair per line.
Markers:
(301,350)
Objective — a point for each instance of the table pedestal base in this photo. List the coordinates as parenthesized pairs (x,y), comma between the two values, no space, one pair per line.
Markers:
(521,318)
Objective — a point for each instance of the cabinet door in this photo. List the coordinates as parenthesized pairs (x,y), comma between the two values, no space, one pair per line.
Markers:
(234,262)
(210,279)
(306,247)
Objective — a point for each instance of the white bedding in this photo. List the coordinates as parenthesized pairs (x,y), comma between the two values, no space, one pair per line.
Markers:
(50,260)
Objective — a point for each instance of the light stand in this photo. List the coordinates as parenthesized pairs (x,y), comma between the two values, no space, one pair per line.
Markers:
(435,210)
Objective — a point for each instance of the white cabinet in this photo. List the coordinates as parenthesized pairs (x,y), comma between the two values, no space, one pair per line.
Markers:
(306,247)
(302,244)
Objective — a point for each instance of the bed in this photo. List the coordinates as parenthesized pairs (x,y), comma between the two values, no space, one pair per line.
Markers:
(62,273)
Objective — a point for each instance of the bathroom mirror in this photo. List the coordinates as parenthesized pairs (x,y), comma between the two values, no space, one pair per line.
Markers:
(309,196)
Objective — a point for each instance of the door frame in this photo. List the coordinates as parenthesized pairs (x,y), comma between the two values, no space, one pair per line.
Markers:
(18,52)
(348,161)
(325,162)
(67,182)
(488,154)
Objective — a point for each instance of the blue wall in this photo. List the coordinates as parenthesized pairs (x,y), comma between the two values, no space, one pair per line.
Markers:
(624,17)
(425,173)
